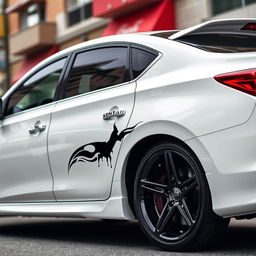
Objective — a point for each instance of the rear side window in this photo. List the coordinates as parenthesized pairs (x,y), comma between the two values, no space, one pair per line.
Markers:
(141,59)
(96,69)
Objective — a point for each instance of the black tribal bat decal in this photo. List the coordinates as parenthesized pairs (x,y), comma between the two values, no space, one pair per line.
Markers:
(101,149)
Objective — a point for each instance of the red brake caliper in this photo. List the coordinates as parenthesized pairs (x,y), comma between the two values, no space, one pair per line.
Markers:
(159,200)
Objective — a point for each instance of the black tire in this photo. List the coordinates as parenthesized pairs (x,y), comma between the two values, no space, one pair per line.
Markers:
(172,200)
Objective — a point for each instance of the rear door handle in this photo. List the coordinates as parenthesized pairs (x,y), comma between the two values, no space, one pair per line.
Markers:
(37,129)
(114,112)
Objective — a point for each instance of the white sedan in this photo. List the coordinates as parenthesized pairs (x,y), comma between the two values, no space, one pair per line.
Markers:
(159,127)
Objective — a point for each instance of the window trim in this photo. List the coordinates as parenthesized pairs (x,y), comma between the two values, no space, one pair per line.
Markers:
(64,77)
(56,95)
(105,45)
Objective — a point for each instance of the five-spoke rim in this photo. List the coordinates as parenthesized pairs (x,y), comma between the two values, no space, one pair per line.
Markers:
(169,194)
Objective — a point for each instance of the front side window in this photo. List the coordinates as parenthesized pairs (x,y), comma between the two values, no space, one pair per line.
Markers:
(78,10)
(32,15)
(96,69)
(38,90)
(220,6)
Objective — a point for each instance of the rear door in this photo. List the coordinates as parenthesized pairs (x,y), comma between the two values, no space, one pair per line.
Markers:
(88,125)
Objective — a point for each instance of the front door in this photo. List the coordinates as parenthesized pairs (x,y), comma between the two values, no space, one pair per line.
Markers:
(88,125)
(25,174)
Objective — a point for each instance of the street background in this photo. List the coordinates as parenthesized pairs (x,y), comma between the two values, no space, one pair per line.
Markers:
(32,30)
(75,237)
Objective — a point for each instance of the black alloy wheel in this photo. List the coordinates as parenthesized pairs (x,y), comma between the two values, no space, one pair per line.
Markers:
(172,199)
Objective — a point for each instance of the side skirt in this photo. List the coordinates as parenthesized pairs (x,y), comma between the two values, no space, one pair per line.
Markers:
(113,208)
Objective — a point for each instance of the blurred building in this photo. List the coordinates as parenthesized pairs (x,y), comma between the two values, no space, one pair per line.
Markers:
(192,12)
(39,28)
(2,51)
(129,16)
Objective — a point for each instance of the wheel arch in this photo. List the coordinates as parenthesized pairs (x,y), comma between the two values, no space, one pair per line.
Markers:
(134,160)
(144,137)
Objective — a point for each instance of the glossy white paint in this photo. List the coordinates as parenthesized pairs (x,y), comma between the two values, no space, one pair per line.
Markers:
(177,96)
(115,207)
(232,179)
(78,121)
(25,174)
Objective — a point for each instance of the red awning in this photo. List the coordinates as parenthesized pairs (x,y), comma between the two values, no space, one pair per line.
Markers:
(118,8)
(31,61)
(157,17)
(20,4)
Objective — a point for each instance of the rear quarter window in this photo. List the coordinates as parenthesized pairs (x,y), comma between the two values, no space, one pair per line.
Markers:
(141,59)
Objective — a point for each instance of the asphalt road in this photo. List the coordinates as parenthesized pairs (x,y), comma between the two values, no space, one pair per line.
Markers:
(36,236)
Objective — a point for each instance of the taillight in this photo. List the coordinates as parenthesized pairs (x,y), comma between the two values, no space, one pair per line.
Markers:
(249,26)
(244,80)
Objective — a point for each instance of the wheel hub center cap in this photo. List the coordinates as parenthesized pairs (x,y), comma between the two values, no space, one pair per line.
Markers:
(176,194)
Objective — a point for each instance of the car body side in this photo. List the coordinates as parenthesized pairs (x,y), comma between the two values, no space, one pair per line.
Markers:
(178,98)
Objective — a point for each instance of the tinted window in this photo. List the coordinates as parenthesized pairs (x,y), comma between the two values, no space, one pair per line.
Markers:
(96,69)
(37,90)
(140,61)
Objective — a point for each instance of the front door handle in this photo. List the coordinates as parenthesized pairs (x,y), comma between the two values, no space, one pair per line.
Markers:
(37,129)
(113,112)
